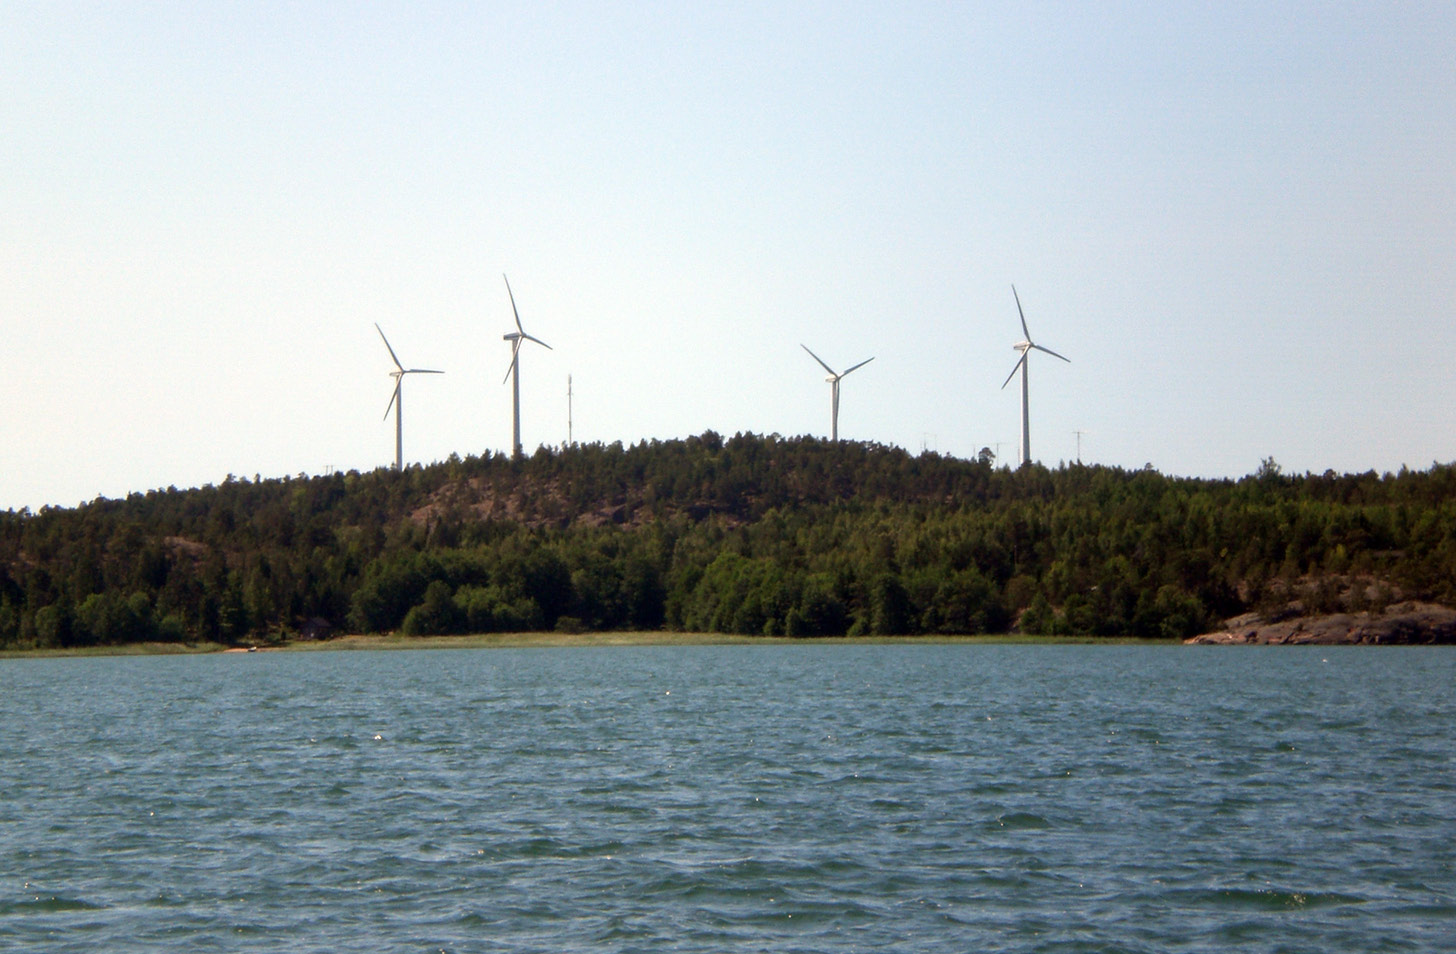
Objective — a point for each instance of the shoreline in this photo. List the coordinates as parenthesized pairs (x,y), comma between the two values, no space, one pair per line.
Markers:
(546,640)
(1410,623)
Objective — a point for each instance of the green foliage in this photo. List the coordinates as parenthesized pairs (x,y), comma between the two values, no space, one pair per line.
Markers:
(890,607)
(821,609)
(55,626)
(745,534)
(1178,615)
(110,619)
(487,609)
(1038,619)
(390,588)
(437,615)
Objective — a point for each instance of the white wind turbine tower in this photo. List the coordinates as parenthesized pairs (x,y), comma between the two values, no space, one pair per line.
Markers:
(396,400)
(834,379)
(1025,346)
(513,373)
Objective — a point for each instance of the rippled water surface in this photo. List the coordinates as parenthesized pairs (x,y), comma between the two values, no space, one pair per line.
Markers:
(738,798)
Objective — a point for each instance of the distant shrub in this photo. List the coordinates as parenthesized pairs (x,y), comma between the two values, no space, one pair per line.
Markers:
(436,616)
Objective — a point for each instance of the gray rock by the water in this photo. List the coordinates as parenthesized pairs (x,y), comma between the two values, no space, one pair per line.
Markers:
(1400,625)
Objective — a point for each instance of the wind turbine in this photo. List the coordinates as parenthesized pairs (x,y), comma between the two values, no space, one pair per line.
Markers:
(1025,346)
(396,400)
(513,373)
(834,379)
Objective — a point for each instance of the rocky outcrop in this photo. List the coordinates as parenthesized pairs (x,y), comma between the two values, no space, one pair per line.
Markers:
(1403,624)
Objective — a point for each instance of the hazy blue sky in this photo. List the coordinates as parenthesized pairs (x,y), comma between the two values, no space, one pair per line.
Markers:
(1237,220)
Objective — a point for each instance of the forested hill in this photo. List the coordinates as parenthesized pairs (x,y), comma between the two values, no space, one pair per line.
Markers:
(760,535)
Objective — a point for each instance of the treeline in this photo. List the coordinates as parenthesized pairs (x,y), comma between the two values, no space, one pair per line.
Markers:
(759,535)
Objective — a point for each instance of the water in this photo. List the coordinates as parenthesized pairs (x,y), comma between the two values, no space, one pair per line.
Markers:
(745,798)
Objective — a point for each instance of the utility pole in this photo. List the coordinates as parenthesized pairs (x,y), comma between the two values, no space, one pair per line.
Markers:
(1079,445)
(569,441)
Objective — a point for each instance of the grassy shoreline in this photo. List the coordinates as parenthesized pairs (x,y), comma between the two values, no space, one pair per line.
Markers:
(556,640)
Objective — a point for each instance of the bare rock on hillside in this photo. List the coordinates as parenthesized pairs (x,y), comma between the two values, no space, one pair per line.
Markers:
(1402,624)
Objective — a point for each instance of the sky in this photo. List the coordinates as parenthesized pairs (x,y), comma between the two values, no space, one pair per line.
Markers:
(1235,219)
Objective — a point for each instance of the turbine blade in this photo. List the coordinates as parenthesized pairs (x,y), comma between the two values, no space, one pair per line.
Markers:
(386,344)
(1015,369)
(1052,353)
(1021,313)
(513,304)
(860,365)
(537,340)
(390,405)
(515,349)
(422,371)
(819,359)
